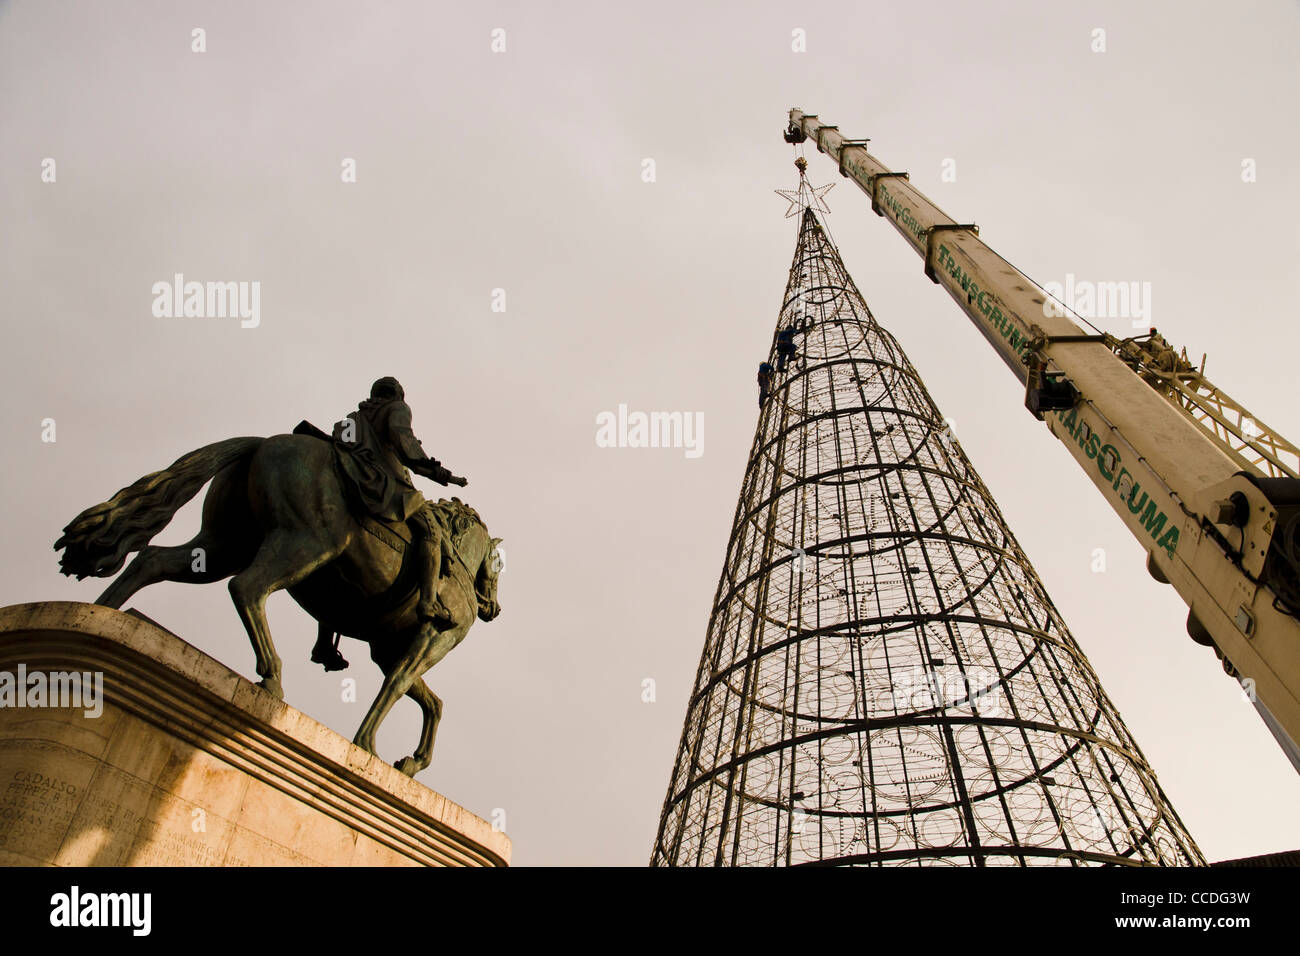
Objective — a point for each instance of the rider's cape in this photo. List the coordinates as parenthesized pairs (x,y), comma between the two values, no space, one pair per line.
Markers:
(372,461)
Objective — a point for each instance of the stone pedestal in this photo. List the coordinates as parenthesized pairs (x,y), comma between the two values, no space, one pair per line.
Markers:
(190,764)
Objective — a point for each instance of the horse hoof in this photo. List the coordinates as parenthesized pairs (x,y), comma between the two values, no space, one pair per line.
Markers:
(272,686)
(408,766)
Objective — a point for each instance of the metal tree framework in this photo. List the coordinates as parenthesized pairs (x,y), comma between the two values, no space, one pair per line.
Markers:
(885,681)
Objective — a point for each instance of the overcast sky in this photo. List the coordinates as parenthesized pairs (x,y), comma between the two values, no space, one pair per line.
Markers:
(523,171)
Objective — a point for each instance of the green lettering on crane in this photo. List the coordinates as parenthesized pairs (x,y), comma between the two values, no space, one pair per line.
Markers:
(1162,530)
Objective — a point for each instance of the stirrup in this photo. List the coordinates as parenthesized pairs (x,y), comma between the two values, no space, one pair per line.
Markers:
(331,659)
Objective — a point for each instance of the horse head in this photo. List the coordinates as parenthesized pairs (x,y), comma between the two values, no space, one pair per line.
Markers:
(477,550)
(485,582)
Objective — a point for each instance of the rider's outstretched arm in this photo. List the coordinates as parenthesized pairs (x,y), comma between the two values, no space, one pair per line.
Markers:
(413,452)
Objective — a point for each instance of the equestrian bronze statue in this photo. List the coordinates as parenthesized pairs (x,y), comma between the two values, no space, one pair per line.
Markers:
(337,522)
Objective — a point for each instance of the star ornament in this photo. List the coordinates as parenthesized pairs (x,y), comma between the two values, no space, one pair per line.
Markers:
(804,196)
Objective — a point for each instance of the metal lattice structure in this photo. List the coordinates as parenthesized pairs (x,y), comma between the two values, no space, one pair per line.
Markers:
(885,681)
(1231,426)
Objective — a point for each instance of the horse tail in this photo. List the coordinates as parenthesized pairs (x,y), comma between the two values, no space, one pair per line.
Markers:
(97,541)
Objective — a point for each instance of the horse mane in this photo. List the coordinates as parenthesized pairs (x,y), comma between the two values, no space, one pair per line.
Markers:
(459,516)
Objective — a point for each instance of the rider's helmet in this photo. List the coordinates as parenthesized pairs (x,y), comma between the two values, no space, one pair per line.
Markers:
(387,387)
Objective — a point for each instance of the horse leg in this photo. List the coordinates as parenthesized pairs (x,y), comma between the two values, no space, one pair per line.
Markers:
(154,564)
(427,648)
(430,707)
(431,704)
(283,560)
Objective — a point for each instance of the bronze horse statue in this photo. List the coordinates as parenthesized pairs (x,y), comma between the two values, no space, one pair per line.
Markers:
(278,516)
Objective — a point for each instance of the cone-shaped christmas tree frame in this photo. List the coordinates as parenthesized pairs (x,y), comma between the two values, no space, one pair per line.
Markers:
(885,680)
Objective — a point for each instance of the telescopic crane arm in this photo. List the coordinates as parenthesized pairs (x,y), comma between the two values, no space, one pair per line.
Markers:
(1211,493)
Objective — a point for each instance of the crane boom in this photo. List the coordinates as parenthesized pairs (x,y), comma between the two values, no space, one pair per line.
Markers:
(1211,494)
